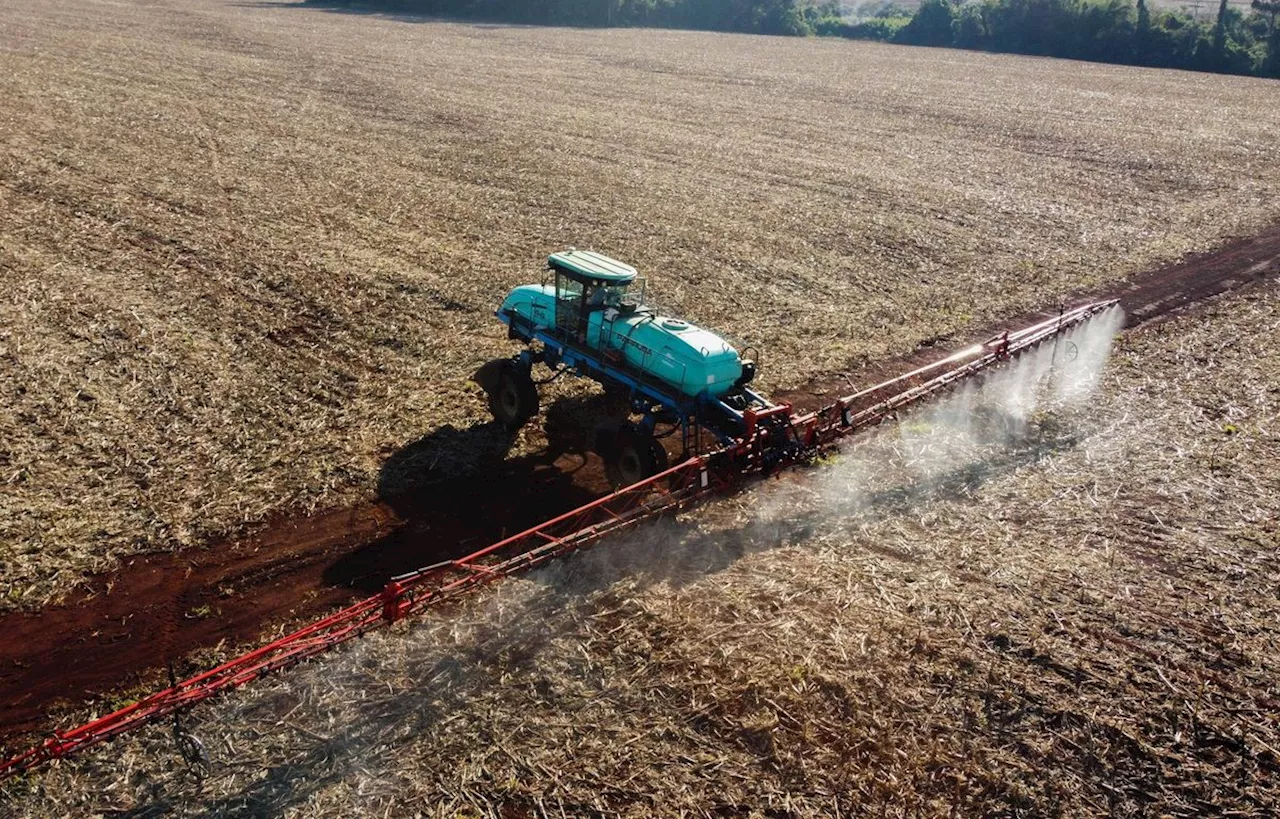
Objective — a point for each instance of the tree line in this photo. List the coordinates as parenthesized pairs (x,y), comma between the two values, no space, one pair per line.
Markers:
(1114,31)
(788,17)
(1109,31)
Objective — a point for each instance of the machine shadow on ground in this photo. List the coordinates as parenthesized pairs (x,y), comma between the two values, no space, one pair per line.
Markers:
(458,491)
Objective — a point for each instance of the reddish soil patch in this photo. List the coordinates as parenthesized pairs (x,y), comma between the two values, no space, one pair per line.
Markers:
(157,609)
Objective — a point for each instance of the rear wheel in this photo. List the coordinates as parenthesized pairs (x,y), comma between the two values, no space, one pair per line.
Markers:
(513,399)
(631,455)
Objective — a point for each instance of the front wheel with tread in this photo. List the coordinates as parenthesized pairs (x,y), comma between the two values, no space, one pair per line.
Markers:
(514,398)
(632,456)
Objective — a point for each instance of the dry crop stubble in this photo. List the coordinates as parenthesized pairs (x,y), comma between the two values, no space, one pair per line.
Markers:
(1090,627)
(249,251)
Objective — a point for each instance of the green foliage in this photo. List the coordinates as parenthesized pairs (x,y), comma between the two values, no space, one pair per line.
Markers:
(1269,61)
(968,27)
(894,11)
(788,17)
(1115,31)
(931,25)
(1142,34)
(1104,30)
(875,28)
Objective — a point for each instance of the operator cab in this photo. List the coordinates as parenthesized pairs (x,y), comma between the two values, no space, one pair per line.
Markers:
(586,282)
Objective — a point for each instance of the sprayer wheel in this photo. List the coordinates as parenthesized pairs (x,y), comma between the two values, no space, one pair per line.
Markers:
(513,399)
(658,456)
(631,457)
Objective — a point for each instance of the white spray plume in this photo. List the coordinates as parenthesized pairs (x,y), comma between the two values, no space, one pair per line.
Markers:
(1020,411)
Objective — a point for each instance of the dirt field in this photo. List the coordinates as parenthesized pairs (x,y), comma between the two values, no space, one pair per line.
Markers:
(1078,620)
(250,251)
(193,607)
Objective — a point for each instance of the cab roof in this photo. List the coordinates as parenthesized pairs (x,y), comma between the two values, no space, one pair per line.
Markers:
(588,264)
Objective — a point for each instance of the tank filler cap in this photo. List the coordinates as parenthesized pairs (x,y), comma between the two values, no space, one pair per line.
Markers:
(674,324)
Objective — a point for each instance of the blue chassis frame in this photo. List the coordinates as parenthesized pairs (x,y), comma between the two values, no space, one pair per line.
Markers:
(703,410)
